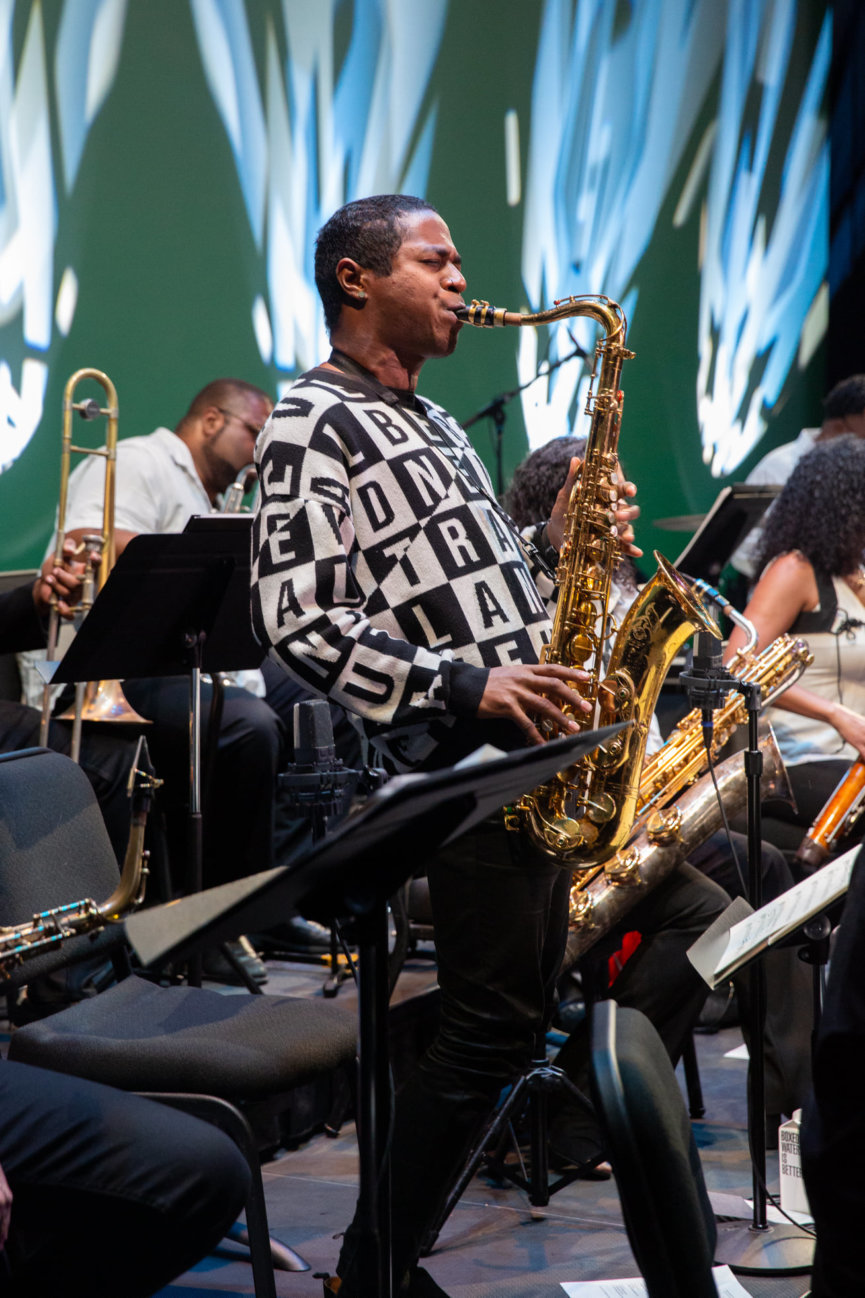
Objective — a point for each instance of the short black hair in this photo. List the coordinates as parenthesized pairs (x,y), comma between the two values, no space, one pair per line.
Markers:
(846,398)
(369,231)
(219,392)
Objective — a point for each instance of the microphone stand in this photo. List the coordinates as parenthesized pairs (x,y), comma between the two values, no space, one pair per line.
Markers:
(758,1248)
(495,410)
(319,787)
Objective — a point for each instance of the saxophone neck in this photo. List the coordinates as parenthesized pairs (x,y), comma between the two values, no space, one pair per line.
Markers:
(604,310)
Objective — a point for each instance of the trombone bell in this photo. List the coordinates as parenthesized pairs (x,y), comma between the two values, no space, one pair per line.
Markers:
(103,701)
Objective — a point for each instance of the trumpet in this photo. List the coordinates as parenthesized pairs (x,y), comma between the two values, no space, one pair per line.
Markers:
(94,700)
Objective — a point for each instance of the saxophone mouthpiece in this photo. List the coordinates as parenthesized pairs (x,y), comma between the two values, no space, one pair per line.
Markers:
(484,316)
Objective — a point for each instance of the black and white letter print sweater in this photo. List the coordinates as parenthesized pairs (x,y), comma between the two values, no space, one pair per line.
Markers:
(385,576)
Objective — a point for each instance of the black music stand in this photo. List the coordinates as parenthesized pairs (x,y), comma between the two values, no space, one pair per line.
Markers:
(353,873)
(174,604)
(736,510)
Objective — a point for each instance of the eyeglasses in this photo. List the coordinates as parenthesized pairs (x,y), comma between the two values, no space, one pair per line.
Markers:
(250,428)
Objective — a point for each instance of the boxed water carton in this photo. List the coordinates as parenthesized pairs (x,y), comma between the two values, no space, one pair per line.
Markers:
(793,1196)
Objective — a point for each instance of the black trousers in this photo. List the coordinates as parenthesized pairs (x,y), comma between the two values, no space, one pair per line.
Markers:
(789,981)
(239,791)
(112,1194)
(500,915)
(658,979)
(833,1124)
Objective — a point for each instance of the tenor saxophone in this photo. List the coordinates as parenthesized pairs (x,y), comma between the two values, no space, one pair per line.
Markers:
(584,814)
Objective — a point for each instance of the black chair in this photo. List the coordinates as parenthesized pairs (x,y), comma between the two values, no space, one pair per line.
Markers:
(229,1059)
(665,1204)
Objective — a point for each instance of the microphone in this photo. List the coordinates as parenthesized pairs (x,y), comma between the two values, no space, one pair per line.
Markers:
(314,747)
(317,784)
(708,682)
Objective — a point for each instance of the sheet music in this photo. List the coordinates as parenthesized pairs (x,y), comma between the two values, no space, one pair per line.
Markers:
(725,1282)
(783,915)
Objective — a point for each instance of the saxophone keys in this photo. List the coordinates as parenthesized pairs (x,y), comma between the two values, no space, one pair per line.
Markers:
(581,908)
(664,826)
(623,869)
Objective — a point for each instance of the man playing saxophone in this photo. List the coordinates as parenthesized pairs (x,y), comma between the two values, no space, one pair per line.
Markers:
(387,578)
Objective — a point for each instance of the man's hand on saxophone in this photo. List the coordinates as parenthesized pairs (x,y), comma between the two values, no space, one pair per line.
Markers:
(529,694)
(625,514)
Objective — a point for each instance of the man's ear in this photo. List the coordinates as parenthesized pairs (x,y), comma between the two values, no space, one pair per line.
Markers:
(212,419)
(351,278)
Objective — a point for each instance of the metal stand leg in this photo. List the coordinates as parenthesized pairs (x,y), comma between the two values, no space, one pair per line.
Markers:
(534,1087)
(696,1107)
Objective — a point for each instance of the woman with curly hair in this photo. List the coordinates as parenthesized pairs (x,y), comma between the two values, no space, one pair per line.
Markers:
(812,584)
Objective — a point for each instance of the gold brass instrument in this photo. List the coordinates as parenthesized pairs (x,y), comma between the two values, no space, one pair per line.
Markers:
(599,899)
(20,942)
(94,700)
(661,829)
(837,818)
(683,757)
(584,815)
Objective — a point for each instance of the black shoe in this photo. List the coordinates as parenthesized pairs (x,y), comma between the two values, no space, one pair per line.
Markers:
(419,1284)
(216,967)
(295,936)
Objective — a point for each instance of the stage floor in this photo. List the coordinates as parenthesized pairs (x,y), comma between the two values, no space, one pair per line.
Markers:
(495,1245)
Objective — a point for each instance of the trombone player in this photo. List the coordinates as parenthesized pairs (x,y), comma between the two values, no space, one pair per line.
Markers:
(161,480)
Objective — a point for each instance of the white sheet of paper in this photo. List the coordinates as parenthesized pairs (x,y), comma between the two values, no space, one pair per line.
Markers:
(725,1282)
(780,916)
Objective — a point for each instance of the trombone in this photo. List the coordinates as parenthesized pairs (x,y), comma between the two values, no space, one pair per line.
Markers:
(94,700)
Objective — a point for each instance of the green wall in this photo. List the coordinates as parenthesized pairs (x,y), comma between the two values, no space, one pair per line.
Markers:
(168,268)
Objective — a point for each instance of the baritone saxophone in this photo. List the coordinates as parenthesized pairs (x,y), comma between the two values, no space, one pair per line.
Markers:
(584,814)
(669,826)
(600,898)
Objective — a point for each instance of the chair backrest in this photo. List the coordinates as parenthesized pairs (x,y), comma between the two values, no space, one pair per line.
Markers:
(54,850)
(10,677)
(665,1204)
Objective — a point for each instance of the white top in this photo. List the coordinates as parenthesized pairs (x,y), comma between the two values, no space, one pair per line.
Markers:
(774,469)
(777,465)
(157,488)
(838,674)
